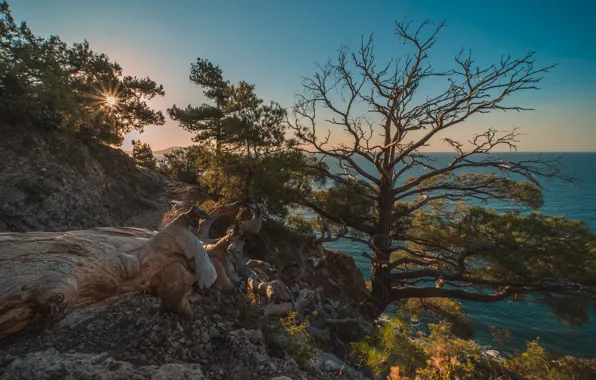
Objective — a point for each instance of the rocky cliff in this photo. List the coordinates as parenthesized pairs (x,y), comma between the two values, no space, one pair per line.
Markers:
(54,182)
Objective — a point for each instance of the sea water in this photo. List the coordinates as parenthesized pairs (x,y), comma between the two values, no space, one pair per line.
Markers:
(526,320)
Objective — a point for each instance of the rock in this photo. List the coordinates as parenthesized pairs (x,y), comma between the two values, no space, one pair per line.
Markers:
(281,378)
(255,336)
(235,335)
(205,336)
(6,360)
(178,371)
(203,354)
(213,332)
(51,364)
(330,363)
(493,354)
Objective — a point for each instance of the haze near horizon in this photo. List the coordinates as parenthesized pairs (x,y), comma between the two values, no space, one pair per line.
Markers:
(274,45)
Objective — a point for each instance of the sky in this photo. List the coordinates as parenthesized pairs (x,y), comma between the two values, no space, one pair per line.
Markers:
(275,44)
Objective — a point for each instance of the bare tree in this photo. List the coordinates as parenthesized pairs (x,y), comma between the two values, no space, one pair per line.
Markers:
(386,119)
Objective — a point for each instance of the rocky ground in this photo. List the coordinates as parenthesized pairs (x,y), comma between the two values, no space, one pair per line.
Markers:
(52,182)
(55,182)
(129,338)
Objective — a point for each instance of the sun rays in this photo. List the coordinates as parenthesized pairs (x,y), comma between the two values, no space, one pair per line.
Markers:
(111,101)
(105,99)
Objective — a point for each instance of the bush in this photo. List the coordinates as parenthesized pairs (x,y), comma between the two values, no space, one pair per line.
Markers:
(537,363)
(388,347)
(288,336)
(183,164)
(392,352)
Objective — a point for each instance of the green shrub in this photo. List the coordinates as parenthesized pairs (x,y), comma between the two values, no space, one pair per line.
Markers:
(537,363)
(286,335)
(393,353)
(388,346)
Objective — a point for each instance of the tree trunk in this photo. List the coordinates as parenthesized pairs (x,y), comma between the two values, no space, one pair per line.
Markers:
(249,174)
(43,275)
(380,272)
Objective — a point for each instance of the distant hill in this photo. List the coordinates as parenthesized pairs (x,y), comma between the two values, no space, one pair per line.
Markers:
(161,152)
(158,153)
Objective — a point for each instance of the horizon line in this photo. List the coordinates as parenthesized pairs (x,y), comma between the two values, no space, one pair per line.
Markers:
(496,151)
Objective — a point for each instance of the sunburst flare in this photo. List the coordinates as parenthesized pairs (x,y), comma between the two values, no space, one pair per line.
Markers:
(111,100)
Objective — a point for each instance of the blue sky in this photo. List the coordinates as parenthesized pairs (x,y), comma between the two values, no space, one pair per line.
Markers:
(274,44)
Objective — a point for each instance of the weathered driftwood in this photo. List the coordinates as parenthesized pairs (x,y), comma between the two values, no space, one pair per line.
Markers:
(225,265)
(205,224)
(43,275)
(305,298)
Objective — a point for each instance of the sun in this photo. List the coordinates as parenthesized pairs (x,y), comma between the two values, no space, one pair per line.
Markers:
(110,100)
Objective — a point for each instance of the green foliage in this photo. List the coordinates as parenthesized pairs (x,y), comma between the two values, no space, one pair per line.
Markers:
(448,357)
(438,309)
(45,83)
(393,353)
(215,123)
(348,200)
(548,256)
(247,154)
(143,155)
(184,164)
(288,336)
(389,345)
(302,344)
(491,185)
(282,233)
(299,224)
(537,363)
(278,179)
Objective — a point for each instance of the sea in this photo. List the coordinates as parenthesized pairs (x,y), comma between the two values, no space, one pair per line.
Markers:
(527,320)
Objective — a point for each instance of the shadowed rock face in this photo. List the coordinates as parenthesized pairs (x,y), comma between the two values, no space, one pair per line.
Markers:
(54,182)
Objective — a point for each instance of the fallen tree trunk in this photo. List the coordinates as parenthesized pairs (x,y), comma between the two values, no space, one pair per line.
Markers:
(43,275)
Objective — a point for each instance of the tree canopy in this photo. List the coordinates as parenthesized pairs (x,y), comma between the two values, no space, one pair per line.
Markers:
(143,155)
(430,234)
(243,147)
(216,123)
(46,83)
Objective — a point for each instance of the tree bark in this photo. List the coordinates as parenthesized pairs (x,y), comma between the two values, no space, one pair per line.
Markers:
(381,242)
(43,275)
